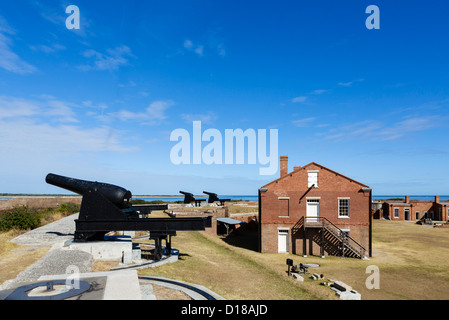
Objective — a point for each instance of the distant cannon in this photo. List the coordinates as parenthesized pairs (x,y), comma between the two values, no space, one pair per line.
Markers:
(189,198)
(213,197)
(106,207)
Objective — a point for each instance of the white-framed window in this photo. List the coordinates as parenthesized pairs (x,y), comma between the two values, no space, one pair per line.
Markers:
(396,212)
(343,208)
(312,178)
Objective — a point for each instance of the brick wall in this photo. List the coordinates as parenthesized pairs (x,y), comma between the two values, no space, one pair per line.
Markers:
(221,212)
(285,202)
(417,210)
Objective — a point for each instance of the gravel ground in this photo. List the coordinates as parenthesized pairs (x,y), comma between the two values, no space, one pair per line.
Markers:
(57,260)
(50,234)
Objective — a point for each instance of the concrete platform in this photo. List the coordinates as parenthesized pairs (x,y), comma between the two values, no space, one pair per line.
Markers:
(119,285)
(116,248)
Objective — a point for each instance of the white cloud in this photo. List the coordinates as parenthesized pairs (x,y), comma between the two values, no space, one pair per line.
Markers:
(409,125)
(45,107)
(198,49)
(188,44)
(350,83)
(33,144)
(303,122)
(129,84)
(9,60)
(212,45)
(208,118)
(299,99)
(156,109)
(377,131)
(62,110)
(11,107)
(114,59)
(153,114)
(39,133)
(319,91)
(221,50)
(48,49)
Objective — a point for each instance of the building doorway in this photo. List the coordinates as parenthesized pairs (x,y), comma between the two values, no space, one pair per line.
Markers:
(406,214)
(283,240)
(313,210)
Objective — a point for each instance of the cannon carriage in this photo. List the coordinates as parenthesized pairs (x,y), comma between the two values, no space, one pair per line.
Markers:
(106,207)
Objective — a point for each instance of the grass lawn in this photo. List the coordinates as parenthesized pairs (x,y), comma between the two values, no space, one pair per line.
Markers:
(232,272)
(15,258)
(413,261)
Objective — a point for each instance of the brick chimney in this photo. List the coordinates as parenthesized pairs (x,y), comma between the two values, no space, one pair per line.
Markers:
(284,165)
(437,199)
(407,199)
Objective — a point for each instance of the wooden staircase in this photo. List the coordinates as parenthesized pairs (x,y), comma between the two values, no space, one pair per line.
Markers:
(331,238)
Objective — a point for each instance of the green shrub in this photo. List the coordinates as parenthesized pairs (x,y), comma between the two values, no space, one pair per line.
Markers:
(63,207)
(69,208)
(22,218)
(138,201)
(156,202)
(73,207)
(142,201)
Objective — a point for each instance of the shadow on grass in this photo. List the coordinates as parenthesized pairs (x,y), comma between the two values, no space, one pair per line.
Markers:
(246,240)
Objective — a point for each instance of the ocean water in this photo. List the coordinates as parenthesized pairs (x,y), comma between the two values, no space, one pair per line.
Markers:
(255,197)
(181,198)
(428,198)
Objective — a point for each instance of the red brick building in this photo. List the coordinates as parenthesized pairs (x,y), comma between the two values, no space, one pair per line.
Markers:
(415,210)
(314,210)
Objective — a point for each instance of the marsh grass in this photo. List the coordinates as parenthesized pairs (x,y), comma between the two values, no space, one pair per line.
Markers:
(15,258)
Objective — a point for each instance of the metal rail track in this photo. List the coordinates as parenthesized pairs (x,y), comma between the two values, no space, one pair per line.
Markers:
(182,286)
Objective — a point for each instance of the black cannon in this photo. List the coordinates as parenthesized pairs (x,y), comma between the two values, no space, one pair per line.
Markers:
(213,197)
(189,198)
(106,207)
(115,194)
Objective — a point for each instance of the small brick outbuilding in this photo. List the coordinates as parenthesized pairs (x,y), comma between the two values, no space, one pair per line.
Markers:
(416,210)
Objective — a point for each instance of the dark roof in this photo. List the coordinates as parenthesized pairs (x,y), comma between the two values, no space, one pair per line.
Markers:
(230,221)
(322,167)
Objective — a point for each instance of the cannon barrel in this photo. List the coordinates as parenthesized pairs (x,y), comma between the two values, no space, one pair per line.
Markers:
(212,196)
(117,195)
(188,197)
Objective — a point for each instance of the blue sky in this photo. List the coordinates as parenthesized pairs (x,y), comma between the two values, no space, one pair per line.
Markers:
(99,103)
